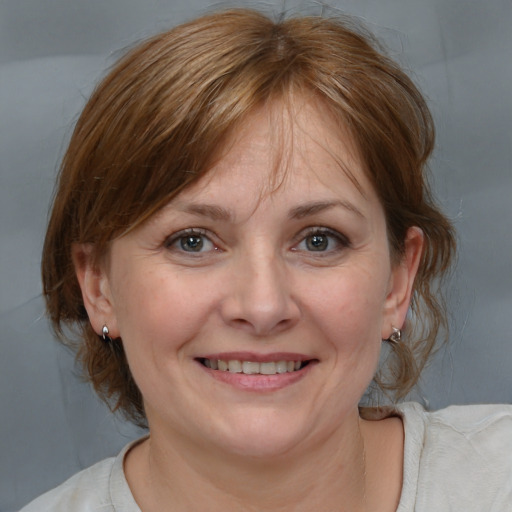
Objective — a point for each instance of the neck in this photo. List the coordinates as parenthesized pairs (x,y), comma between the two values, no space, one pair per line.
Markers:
(326,474)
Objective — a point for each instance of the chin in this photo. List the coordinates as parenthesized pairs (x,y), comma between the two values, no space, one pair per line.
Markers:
(263,436)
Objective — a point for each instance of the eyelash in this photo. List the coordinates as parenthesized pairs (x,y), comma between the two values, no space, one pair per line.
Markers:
(340,240)
(188,233)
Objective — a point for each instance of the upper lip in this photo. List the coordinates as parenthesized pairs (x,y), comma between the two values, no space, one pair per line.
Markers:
(256,357)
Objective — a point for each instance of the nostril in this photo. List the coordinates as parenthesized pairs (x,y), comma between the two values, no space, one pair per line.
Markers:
(260,308)
(242,324)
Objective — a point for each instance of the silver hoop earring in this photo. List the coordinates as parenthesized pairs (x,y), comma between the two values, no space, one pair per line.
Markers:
(395,336)
(105,334)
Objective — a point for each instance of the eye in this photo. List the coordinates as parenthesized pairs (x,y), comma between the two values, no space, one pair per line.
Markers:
(191,241)
(317,242)
(322,240)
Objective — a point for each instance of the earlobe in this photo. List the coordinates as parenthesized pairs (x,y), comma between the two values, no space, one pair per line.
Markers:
(95,288)
(402,282)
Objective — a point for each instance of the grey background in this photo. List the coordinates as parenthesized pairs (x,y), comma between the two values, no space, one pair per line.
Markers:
(51,54)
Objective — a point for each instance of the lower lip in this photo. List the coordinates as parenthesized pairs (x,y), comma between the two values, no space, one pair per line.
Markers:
(259,383)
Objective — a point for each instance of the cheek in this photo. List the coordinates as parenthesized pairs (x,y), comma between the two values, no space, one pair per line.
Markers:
(160,310)
(350,315)
(354,299)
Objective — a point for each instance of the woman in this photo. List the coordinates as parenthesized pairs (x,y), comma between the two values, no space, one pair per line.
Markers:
(242,217)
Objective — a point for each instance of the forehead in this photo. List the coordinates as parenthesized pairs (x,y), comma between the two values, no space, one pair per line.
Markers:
(287,145)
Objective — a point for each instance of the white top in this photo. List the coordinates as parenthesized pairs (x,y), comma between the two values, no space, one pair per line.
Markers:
(456,459)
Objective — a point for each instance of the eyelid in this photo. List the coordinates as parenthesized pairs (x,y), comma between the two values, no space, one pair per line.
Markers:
(169,240)
(174,237)
(342,239)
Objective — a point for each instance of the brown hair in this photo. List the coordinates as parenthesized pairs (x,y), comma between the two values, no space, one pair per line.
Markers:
(153,125)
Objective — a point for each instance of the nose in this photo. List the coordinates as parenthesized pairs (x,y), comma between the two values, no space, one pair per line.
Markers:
(260,297)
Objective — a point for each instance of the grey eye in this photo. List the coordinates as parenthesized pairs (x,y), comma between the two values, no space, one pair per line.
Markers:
(192,243)
(317,242)
(322,240)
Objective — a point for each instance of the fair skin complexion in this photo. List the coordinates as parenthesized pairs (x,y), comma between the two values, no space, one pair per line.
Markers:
(234,269)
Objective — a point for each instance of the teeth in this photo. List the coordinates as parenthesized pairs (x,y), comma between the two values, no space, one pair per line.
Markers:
(267,368)
(235,366)
(249,368)
(253,368)
(281,367)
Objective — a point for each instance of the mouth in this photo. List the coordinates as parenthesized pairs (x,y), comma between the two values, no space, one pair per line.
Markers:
(254,367)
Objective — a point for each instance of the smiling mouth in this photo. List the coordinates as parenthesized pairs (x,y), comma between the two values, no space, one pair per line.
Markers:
(252,367)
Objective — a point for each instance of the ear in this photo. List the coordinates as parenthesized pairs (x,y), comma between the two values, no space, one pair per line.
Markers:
(402,282)
(93,280)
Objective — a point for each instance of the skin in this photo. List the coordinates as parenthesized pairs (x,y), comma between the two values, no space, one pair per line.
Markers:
(259,285)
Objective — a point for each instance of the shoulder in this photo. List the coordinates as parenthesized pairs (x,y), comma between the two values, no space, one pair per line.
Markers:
(482,431)
(459,421)
(99,488)
(84,492)
(474,439)
(463,456)
(471,418)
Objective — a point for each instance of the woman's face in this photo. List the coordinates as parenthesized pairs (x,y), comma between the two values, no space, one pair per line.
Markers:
(252,312)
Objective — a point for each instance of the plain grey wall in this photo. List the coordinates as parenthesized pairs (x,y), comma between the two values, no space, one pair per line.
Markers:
(51,54)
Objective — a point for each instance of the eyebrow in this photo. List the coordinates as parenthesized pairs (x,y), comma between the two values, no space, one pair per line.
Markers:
(319,206)
(208,210)
(216,212)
